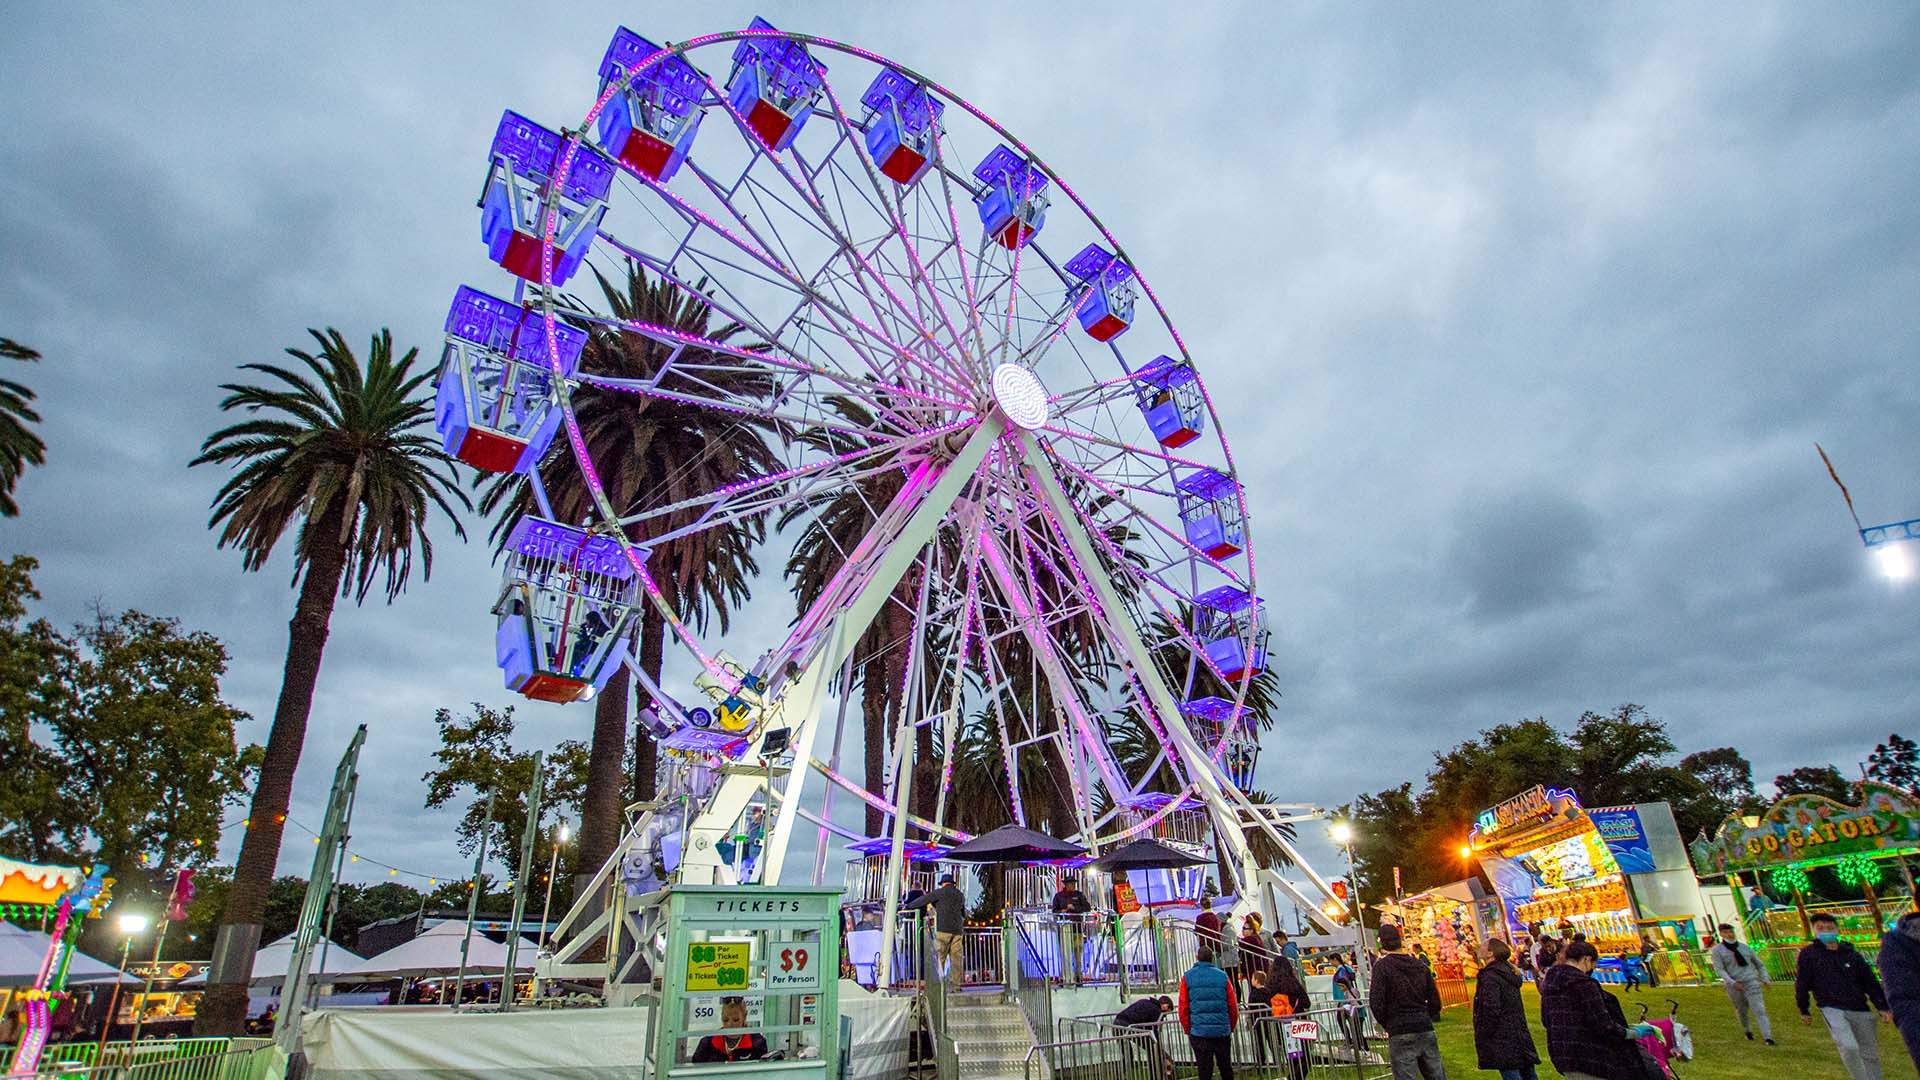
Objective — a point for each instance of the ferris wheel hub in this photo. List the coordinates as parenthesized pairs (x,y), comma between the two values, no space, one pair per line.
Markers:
(1021,396)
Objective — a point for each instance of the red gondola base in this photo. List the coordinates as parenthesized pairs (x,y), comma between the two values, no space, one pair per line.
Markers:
(1107,328)
(1179,438)
(545,686)
(490,451)
(646,154)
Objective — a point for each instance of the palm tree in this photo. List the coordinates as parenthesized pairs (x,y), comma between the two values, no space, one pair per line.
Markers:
(339,447)
(653,452)
(19,446)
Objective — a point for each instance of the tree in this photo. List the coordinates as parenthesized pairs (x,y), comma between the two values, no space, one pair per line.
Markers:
(344,448)
(476,755)
(650,453)
(1815,780)
(1896,762)
(19,446)
(147,751)
(32,655)
(1726,781)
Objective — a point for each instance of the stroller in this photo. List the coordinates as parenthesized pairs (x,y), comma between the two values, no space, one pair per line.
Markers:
(1671,1041)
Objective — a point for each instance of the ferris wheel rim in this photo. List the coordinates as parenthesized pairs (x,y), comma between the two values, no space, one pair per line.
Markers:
(686,636)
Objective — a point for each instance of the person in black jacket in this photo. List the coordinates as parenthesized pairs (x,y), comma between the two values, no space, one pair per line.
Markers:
(1900,970)
(1406,1001)
(1501,1037)
(1838,979)
(1587,1034)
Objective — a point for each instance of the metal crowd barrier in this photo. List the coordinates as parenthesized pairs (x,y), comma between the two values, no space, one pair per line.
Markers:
(1320,1044)
(157,1059)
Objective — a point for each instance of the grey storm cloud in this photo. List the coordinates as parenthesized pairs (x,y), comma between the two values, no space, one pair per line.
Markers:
(1523,323)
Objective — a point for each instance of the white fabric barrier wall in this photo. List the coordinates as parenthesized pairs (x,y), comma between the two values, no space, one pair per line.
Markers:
(429,1042)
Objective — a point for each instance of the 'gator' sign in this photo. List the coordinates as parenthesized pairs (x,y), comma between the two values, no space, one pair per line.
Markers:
(1800,828)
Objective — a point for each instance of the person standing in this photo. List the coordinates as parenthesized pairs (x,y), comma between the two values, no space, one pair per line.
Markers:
(1900,969)
(1227,954)
(1646,961)
(1406,1001)
(1744,979)
(1629,973)
(1547,955)
(1836,977)
(1209,1009)
(1587,1033)
(949,906)
(1256,955)
(1501,1036)
(1069,904)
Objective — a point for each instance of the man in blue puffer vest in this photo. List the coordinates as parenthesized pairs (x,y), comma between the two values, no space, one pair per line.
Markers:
(1208,1012)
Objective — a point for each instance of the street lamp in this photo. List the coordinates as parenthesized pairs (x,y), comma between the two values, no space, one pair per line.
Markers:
(1341,832)
(553,868)
(131,925)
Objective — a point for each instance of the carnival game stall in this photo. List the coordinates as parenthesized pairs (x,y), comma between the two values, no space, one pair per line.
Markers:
(1447,924)
(1808,853)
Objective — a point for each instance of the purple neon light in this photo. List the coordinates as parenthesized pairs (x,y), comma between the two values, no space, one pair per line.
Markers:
(594,554)
(914,850)
(1002,163)
(531,149)
(1095,262)
(792,66)
(1165,373)
(1114,493)
(676,80)
(916,108)
(1207,485)
(505,327)
(1227,599)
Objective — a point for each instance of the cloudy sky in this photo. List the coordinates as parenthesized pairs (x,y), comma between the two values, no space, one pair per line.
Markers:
(1524,329)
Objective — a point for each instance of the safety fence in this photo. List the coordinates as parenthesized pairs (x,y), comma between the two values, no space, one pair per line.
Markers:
(1324,1043)
(155,1059)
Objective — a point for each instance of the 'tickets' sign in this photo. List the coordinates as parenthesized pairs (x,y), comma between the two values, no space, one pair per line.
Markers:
(1803,827)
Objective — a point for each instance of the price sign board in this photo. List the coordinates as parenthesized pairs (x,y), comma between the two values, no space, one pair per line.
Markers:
(793,966)
(717,965)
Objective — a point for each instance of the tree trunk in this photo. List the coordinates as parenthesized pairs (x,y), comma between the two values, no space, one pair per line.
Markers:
(873,721)
(601,804)
(223,1010)
(646,755)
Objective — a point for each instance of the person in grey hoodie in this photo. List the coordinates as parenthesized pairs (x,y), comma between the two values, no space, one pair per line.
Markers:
(1744,979)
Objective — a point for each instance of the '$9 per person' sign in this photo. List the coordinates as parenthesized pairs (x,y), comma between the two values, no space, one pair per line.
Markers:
(793,966)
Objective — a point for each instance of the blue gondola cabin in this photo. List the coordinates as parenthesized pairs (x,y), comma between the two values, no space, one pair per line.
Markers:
(1210,511)
(774,84)
(519,174)
(1013,199)
(650,124)
(566,609)
(1232,626)
(1106,310)
(1169,394)
(903,126)
(494,404)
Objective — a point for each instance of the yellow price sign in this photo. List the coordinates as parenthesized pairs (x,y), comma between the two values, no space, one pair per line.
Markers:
(717,965)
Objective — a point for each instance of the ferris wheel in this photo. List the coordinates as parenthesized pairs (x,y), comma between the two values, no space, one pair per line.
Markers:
(939,342)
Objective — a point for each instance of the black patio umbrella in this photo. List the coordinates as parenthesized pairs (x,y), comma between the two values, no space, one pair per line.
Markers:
(1148,854)
(1013,844)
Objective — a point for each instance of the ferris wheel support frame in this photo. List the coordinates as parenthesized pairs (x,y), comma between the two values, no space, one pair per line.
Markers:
(1227,813)
(803,700)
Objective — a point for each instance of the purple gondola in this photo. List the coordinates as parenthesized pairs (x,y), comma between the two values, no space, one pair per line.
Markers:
(493,405)
(1232,625)
(903,126)
(1107,309)
(1169,394)
(774,84)
(520,171)
(567,603)
(1210,511)
(1013,206)
(650,124)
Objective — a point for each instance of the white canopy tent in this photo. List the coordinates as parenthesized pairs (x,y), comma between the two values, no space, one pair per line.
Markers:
(436,953)
(22,950)
(270,964)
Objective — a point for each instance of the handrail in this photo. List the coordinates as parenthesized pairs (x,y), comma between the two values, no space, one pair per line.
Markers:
(158,1059)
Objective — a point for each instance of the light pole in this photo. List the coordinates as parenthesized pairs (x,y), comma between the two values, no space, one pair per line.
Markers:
(130,925)
(1342,833)
(553,867)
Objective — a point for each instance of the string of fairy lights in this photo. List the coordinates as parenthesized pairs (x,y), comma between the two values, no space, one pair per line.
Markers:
(358,858)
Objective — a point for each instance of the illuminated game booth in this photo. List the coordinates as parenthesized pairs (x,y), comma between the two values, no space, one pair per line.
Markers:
(1865,847)
(1613,873)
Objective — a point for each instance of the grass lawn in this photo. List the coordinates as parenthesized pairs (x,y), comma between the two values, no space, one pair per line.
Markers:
(1720,1051)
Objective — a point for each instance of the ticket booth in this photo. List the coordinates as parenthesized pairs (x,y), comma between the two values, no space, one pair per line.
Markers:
(752,986)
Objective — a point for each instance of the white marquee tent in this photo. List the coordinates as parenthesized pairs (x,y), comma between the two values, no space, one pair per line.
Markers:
(436,953)
(22,950)
(270,964)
